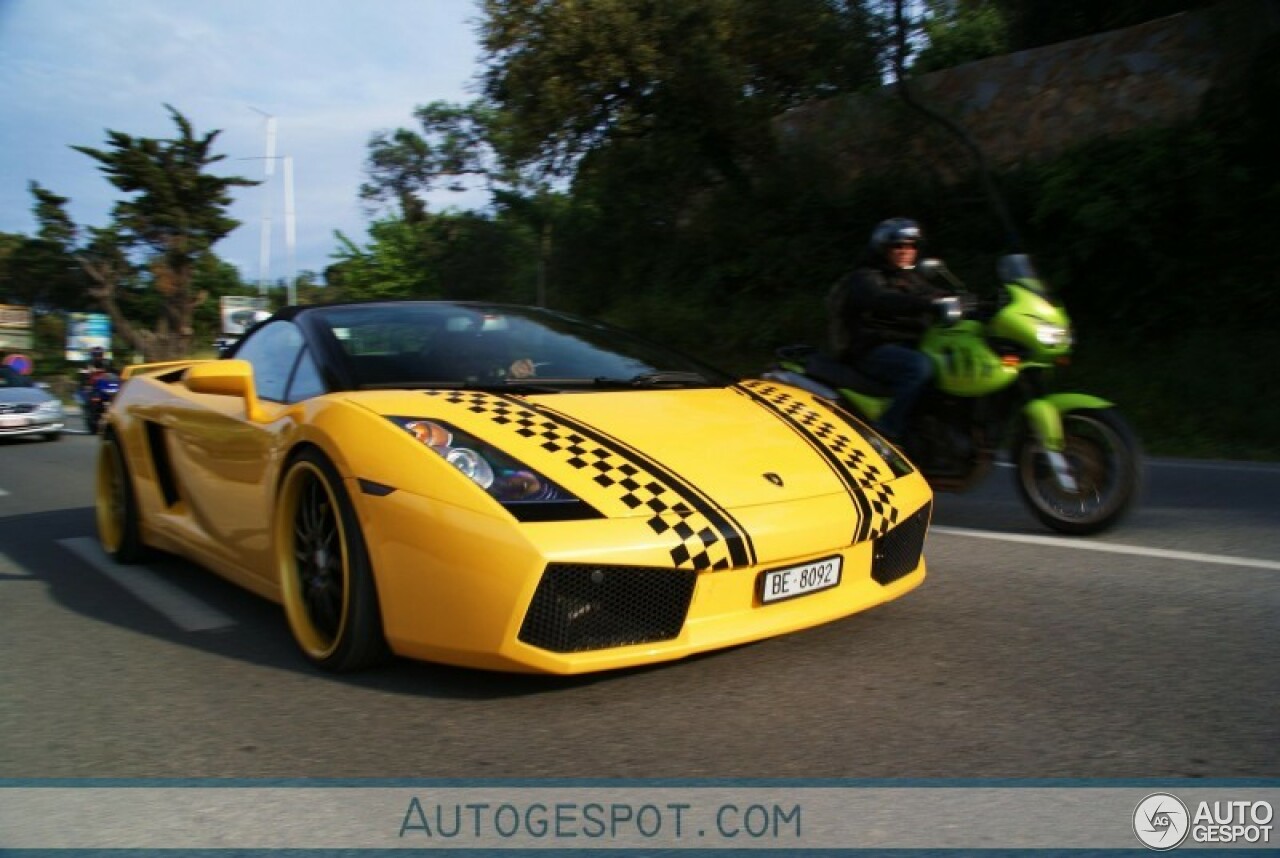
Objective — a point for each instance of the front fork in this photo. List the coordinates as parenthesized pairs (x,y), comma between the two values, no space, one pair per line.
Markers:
(1044,417)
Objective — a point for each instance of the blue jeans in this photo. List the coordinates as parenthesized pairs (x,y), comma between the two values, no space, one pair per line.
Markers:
(907,372)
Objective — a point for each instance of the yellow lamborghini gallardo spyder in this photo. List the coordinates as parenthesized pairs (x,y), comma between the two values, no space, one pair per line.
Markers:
(505,487)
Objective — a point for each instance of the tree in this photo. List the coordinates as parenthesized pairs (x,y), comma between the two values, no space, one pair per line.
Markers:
(41,270)
(454,142)
(650,112)
(395,265)
(961,31)
(574,76)
(901,28)
(176,215)
(10,242)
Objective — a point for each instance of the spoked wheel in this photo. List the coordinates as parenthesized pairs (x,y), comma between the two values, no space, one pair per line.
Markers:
(1104,459)
(325,580)
(116,509)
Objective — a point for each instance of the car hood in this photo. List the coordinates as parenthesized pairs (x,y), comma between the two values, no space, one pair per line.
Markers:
(752,443)
(17,395)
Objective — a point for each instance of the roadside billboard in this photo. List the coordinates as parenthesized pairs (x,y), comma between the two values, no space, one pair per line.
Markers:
(15,328)
(241,312)
(86,330)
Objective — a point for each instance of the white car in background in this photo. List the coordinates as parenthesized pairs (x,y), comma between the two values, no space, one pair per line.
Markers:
(27,408)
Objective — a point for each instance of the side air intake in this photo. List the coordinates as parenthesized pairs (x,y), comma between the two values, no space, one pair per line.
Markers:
(897,553)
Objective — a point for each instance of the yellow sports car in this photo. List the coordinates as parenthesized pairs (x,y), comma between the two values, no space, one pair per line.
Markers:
(505,487)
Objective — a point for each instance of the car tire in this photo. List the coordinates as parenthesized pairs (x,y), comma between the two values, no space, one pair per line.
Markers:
(326,581)
(116,507)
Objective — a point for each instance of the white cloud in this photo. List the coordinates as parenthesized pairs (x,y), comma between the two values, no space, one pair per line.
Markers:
(332,72)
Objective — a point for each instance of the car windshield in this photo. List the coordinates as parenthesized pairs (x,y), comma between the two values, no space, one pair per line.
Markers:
(479,346)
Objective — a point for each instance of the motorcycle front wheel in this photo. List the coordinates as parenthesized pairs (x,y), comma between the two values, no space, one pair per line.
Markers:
(1104,458)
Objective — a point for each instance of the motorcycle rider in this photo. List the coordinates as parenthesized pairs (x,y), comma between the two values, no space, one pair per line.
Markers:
(98,365)
(878,314)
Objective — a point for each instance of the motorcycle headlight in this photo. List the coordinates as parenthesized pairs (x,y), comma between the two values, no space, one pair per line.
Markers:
(1053,335)
(527,494)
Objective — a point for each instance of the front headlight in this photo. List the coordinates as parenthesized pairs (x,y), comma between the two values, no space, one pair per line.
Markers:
(52,408)
(527,494)
(1053,336)
(895,460)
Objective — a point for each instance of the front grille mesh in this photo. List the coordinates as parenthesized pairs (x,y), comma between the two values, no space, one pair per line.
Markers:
(581,607)
(898,552)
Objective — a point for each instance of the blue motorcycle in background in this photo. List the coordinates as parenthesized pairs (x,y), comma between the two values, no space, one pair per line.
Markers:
(99,390)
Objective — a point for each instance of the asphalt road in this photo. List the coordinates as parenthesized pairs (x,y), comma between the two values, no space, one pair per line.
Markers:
(1153,651)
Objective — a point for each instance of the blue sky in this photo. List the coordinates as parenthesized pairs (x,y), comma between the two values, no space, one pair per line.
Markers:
(332,72)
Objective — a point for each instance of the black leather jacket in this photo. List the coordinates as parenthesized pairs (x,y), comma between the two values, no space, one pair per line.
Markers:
(878,305)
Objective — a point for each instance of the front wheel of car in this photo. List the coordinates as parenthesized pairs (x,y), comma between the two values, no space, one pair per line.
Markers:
(116,507)
(326,582)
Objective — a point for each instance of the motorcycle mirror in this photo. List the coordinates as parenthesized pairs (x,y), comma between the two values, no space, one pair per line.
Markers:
(938,268)
(949,309)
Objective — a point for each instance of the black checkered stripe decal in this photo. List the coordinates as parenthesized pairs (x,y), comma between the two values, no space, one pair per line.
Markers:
(868,483)
(702,534)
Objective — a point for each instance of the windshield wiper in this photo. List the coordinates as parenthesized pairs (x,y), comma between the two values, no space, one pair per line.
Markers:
(657,378)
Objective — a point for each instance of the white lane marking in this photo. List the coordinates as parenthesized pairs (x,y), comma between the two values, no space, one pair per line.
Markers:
(3,493)
(1110,548)
(178,606)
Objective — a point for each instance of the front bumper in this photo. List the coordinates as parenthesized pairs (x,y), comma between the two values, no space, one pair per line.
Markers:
(30,424)
(576,597)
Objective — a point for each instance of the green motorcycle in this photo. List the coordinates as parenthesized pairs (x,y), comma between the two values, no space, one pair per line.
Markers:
(1078,463)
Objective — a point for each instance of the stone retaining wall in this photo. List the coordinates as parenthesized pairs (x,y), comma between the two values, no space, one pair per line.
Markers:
(1033,104)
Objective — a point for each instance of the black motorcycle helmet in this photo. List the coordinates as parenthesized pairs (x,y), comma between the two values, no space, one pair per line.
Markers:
(897,230)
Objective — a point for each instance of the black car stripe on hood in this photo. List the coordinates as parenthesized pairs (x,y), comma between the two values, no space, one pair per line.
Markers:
(705,535)
(814,419)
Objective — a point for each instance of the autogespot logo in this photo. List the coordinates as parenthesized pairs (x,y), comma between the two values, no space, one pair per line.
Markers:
(1161,821)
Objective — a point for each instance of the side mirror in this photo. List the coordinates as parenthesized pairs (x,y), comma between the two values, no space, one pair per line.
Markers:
(932,268)
(225,378)
(949,309)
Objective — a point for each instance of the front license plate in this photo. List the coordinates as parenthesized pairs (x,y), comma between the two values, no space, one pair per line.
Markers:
(14,422)
(779,584)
